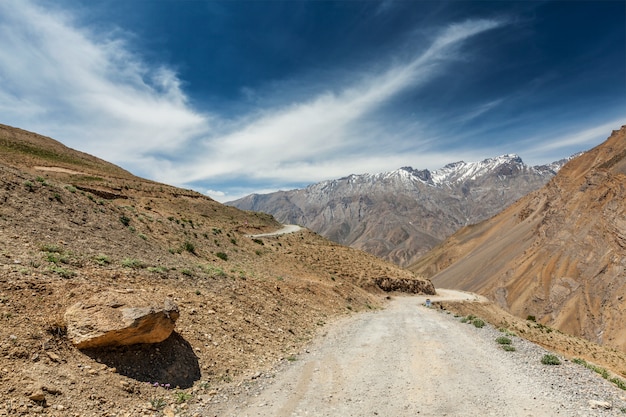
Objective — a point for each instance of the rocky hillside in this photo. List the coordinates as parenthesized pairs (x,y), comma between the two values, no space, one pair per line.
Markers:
(73,227)
(400,215)
(558,254)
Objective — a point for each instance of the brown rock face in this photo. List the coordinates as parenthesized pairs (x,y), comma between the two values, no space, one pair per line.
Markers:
(411,286)
(558,254)
(115,319)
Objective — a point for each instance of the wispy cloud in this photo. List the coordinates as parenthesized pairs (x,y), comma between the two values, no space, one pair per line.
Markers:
(86,89)
(311,140)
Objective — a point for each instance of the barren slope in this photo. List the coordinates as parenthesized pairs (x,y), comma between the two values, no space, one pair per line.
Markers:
(72,225)
(558,254)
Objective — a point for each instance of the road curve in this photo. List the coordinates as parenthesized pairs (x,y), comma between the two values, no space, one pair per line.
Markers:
(288,228)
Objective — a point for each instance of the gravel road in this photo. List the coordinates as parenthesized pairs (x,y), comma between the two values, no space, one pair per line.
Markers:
(409,360)
(287,228)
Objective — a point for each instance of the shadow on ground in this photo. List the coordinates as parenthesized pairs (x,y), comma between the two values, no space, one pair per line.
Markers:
(169,362)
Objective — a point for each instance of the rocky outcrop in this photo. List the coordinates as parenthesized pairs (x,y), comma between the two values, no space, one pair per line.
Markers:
(120,318)
(411,286)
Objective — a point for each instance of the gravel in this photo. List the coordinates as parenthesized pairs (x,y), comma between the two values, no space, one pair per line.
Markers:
(410,360)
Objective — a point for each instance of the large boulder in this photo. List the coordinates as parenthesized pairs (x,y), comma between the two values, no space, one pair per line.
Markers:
(411,286)
(115,318)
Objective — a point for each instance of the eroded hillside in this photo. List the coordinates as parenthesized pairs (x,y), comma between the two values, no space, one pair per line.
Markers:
(558,254)
(72,226)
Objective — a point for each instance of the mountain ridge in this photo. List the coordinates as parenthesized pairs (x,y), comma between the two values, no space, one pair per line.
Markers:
(399,215)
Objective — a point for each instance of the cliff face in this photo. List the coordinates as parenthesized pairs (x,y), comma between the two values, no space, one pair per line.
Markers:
(558,254)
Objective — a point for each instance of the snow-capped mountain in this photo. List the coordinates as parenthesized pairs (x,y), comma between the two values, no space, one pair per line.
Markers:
(403,213)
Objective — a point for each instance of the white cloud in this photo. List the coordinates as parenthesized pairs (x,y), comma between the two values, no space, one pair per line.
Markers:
(316,139)
(86,89)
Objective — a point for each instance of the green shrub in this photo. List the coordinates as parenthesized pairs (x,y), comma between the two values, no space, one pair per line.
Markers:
(182,396)
(132,263)
(189,247)
(503,340)
(102,259)
(550,359)
(508,348)
(531,318)
(478,323)
(222,256)
(125,220)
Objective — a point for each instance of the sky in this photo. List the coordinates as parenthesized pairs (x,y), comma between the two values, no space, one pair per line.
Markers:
(230,98)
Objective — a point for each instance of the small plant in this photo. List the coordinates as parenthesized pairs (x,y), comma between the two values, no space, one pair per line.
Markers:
(182,396)
(531,318)
(64,273)
(57,197)
(187,272)
(158,269)
(464,320)
(142,236)
(222,256)
(503,340)
(102,260)
(198,292)
(41,180)
(158,403)
(508,348)
(48,247)
(258,241)
(233,241)
(291,358)
(70,189)
(132,263)
(125,220)
(478,323)
(550,359)
(189,247)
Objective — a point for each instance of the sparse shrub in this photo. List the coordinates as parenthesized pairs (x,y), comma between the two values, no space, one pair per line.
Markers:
(478,323)
(102,260)
(187,272)
(48,247)
(64,273)
(57,197)
(198,292)
(41,180)
(508,348)
(189,247)
(70,188)
(182,396)
(464,320)
(292,358)
(125,220)
(531,318)
(142,236)
(158,403)
(550,359)
(233,241)
(222,256)
(158,269)
(503,340)
(258,241)
(132,263)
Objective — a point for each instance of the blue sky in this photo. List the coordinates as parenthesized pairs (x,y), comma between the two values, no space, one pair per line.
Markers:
(235,97)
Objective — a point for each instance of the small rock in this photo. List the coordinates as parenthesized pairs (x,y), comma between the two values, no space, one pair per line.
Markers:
(37,396)
(168,412)
(53,356)
(600,404)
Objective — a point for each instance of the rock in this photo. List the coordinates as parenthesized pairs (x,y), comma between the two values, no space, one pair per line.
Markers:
(600,404)
(168,412)
(120,318)
(412,286)
(37,396)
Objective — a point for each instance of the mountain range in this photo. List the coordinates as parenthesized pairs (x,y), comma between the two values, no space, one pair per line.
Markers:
(400,215)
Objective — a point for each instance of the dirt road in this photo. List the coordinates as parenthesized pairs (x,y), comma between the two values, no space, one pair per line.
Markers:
(409,360)
(288,228)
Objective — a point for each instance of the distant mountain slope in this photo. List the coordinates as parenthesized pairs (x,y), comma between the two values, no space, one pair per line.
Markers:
(400,215)
(558,254)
